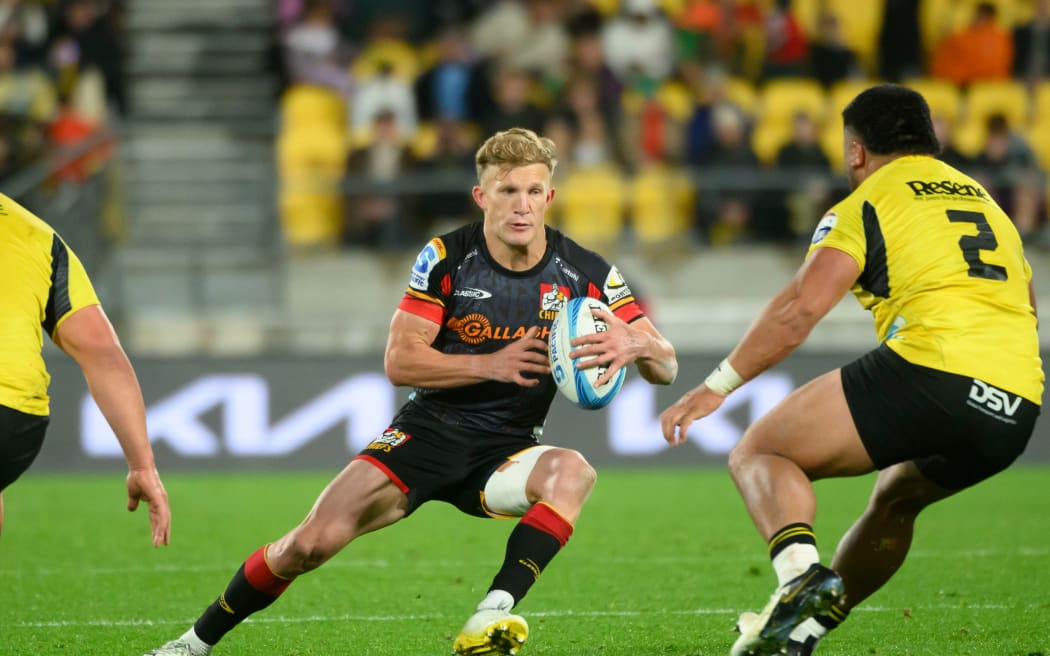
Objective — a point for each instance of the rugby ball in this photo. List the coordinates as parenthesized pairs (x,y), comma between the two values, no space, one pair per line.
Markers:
(575,320)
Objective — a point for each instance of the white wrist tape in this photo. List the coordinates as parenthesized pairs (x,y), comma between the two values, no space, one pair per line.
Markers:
(724,379)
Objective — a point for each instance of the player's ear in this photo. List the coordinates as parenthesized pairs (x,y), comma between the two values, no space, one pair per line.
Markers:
(479,196)
(550,195)
(856,155)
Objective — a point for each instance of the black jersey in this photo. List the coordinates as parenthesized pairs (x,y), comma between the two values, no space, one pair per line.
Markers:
(482,306)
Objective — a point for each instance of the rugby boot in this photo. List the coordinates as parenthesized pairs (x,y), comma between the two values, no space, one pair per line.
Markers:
(179,647)
(491,631)
(811,593)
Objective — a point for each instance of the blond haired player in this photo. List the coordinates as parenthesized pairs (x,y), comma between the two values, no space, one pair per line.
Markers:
(470,336)
(948,399)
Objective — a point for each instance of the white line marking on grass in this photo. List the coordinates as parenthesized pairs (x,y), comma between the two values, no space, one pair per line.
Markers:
(280,619)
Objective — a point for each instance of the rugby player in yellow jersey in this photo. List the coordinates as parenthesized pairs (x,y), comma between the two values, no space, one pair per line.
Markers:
(45,287)
(948,398)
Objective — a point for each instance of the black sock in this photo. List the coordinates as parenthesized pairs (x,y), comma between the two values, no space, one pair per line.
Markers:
(533,543)
(799,533)
(253,588)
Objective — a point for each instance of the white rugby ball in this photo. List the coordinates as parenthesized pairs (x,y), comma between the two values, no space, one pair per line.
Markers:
(574,320)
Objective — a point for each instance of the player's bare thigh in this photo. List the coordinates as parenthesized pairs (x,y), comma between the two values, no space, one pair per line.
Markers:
(360,499)
(813,428)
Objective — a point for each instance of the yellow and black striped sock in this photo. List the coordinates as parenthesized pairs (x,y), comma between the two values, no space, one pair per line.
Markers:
(798,533)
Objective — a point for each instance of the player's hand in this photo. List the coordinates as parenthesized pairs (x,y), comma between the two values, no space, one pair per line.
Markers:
(527,355)
(613,349)
(144,485)
(694,404)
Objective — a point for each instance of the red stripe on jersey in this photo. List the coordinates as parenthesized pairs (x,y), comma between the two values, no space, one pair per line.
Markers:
(386,470)
(425,309)
(629,311)
(446,285)
(592,291)
(543,517)
(261,577)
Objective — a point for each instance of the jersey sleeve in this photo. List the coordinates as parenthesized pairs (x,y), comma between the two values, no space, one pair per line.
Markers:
(71,289)
(842,228)
(429,284)
(616,293)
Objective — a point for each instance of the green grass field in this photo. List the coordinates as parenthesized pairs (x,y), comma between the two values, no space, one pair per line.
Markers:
(661,563)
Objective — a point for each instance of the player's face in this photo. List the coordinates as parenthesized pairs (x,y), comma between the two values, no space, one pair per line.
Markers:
(515,201)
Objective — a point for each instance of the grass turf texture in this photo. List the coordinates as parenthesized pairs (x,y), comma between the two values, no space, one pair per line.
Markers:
(661,563)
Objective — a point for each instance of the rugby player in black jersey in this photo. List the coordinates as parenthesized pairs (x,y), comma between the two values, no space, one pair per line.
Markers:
(470,336)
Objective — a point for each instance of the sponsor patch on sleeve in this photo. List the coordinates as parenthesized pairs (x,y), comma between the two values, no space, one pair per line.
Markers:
(615,287)
(426,261)
(824,227)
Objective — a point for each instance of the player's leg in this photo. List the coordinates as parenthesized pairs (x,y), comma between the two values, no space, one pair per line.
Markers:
(362,498)
(809,435)
(546,487)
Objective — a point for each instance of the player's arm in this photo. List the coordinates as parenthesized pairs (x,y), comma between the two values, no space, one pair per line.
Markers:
(411,360)
(88,337)
(638,342)
(779,329)
(788,318)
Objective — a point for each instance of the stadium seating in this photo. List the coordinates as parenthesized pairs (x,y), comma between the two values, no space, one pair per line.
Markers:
(943,97)
(859,23)
(781,99)
(591,201)
(661,205)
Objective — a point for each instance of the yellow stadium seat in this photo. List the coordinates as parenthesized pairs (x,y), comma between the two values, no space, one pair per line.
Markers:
(781,99)
(943,97)
(1006,97)
(661,205)
(969,137)
(1041,102)
(592,202)
(311,162)
(768,138)
(741,92)
(402,57)
(308,105)
(676,100)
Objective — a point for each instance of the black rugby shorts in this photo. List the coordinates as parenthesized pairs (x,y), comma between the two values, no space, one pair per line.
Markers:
(21,436)
(430,460)
(958,430)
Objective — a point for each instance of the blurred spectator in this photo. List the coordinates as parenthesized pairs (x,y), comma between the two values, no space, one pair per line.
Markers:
(384,93)
(949,154)
(786,47)
(830,59)
(1009,171)
(591,193)
(24,91)
(377,218)
(453,156)
(512,105)
(982,51)
(900,44)
(588,61)
(1032,45)
(7,165)
(639,43)
(724,211)
(68,129)
(797,209)
(444,90)
(527,36)
(711,90)
(313,51)
(87,37)
(729,33)
(23,27)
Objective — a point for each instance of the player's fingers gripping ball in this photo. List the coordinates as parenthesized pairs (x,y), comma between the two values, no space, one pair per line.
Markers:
(576,319)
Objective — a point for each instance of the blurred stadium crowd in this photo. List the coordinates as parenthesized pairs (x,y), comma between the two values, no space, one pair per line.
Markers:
(678,122)
(61,80)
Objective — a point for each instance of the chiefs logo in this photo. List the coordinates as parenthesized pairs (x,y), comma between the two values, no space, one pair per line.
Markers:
(391,439)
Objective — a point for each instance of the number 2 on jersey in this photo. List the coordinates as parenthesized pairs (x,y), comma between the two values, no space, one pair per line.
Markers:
(972,245)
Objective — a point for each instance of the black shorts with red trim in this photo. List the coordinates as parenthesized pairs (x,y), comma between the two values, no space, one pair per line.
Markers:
(21,436)
(958,430)
(429,460)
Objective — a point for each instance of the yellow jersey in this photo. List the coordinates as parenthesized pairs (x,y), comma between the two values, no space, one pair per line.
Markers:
(943,272)
(43,283)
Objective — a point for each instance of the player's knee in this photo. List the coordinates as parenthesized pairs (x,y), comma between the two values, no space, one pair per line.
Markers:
(572,473)
(304,551)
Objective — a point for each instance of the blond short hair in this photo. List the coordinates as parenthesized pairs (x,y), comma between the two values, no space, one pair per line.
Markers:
(513,148)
